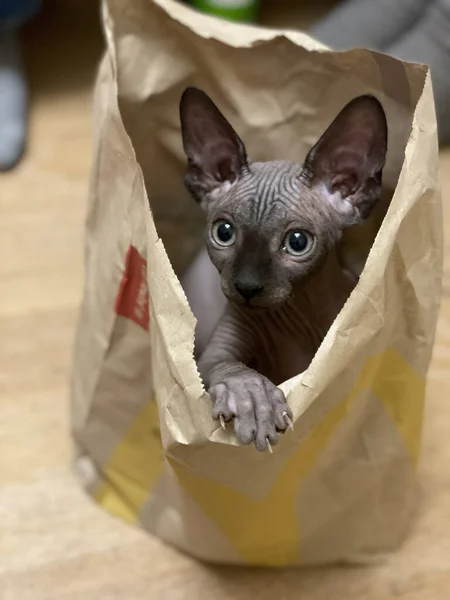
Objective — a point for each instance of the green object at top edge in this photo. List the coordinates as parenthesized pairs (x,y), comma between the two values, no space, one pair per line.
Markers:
(245,13)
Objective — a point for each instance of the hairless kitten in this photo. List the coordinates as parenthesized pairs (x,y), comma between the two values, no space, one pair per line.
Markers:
(272,231)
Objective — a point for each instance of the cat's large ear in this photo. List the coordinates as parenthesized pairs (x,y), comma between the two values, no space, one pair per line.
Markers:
(348,159)
(216,155)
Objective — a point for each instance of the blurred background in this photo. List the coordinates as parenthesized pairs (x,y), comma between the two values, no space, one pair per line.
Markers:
(54,543)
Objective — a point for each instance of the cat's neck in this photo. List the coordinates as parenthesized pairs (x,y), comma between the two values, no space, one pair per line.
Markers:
(291,334)
(313,306)
(322,295)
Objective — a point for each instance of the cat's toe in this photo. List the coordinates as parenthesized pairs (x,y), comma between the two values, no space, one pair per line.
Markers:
(281,411)
(221,409)
(266,437)
(266,434)
(245,429)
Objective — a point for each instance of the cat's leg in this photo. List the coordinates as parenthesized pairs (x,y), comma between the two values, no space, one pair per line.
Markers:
(201,284)
(257,406)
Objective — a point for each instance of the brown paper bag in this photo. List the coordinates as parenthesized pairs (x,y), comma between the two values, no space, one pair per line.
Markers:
(343,485)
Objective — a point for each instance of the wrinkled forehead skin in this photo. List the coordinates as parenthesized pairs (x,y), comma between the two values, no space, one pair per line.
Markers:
(269,196)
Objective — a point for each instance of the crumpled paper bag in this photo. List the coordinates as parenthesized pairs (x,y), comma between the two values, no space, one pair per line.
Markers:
(343,485)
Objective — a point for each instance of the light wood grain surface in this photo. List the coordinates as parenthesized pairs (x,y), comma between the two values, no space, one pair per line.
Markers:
(54,542)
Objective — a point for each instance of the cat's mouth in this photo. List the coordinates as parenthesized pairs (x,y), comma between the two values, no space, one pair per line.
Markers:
(260,303)
(255,297)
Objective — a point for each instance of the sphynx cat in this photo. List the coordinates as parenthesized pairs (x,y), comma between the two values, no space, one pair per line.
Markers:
(272,232)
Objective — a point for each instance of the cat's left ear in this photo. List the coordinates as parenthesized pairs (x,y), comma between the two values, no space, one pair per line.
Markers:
(348,159)
(216,154)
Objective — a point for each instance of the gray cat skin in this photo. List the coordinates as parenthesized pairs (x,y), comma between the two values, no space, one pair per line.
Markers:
(272,231)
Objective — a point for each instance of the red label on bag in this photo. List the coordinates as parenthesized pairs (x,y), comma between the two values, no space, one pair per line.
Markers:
(132,299)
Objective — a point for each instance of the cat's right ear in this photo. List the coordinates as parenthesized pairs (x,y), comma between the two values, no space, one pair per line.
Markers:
(216,155)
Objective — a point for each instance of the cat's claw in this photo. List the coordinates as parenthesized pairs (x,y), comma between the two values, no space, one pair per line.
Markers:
(256,406)
(222,422)
(289,421)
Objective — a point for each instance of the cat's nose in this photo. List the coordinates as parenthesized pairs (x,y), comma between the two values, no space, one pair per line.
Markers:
(248,290)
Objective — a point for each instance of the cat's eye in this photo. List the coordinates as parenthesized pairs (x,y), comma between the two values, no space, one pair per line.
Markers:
(223,233)
(298,243)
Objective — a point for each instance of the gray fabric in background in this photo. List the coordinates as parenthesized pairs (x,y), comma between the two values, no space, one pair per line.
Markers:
(415,30)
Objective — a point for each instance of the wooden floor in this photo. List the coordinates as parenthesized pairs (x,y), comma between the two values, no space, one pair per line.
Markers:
(54,543)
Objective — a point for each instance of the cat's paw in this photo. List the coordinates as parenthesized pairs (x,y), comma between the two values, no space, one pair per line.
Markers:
(258,407)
